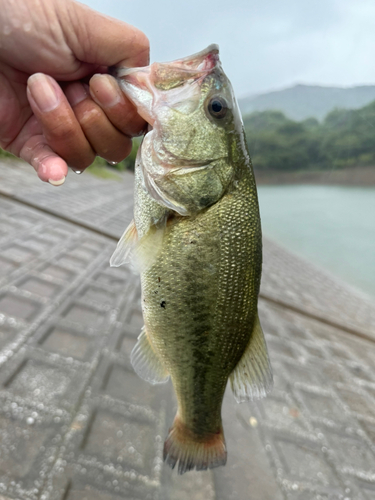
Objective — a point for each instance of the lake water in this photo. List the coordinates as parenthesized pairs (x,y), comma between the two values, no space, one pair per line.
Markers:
(333,227)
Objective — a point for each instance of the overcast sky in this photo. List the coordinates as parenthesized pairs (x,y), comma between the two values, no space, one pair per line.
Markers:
(264,44)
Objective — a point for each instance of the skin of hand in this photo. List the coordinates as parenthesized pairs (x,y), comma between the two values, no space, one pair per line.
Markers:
(55,125)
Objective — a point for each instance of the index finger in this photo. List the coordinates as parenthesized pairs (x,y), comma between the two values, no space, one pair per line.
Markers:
(120,111)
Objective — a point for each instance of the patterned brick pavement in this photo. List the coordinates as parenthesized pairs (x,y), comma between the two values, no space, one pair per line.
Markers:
(76,422)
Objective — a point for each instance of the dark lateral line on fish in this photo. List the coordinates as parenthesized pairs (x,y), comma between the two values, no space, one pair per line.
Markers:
(311,315)
(58,216)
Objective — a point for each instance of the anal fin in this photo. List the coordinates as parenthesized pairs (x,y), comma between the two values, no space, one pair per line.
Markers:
(146,363)
(252,377)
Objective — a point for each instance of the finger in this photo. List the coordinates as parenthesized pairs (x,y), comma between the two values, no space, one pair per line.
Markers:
(100,39)
(62,132)
(14,109)
(120,111)
(31,146)
(48,165)
(105,139)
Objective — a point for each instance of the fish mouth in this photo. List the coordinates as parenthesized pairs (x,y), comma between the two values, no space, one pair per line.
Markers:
(198,63)
(145,86)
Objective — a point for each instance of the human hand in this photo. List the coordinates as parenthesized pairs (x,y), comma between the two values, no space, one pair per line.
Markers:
(52,126)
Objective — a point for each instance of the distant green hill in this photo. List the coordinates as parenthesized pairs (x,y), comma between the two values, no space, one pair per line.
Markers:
(304,101)
(345,138)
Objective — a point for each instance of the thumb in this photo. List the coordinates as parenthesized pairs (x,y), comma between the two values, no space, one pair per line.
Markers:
(99,39)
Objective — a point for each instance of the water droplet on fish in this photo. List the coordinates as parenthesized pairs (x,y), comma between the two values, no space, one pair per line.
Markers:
(78,172)
(113,162)
(30,421)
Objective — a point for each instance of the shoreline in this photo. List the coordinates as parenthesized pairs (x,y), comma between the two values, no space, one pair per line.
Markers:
(356,176)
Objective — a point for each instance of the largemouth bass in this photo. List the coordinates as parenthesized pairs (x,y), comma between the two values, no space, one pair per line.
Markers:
(196,240)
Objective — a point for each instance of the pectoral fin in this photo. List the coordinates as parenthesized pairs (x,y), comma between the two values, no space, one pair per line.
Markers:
(122,254)
(252,377)
(140,252)
(146,362)
(148,247)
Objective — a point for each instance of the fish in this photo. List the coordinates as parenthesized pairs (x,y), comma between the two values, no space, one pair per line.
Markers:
(196,242)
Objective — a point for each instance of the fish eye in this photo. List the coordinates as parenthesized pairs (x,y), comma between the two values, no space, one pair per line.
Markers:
(217,107)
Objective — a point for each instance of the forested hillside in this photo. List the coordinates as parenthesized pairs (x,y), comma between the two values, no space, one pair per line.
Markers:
(345,138)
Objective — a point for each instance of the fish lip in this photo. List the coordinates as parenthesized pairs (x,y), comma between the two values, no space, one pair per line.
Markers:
(213,48)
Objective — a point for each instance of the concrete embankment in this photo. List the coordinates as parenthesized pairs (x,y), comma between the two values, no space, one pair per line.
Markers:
(76,422)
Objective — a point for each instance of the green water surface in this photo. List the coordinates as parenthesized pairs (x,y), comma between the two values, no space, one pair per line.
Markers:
(333,227)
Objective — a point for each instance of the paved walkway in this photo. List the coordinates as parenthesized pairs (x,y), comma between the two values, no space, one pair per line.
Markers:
(75,421)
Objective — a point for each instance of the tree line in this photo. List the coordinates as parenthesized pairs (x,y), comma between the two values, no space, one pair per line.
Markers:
(345,138)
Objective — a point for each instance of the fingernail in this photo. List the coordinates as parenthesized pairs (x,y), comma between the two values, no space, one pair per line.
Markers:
(57,183)
(43,92)
(75,93)
(105,91)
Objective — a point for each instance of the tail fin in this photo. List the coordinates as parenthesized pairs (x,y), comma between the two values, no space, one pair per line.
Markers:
(191,452)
